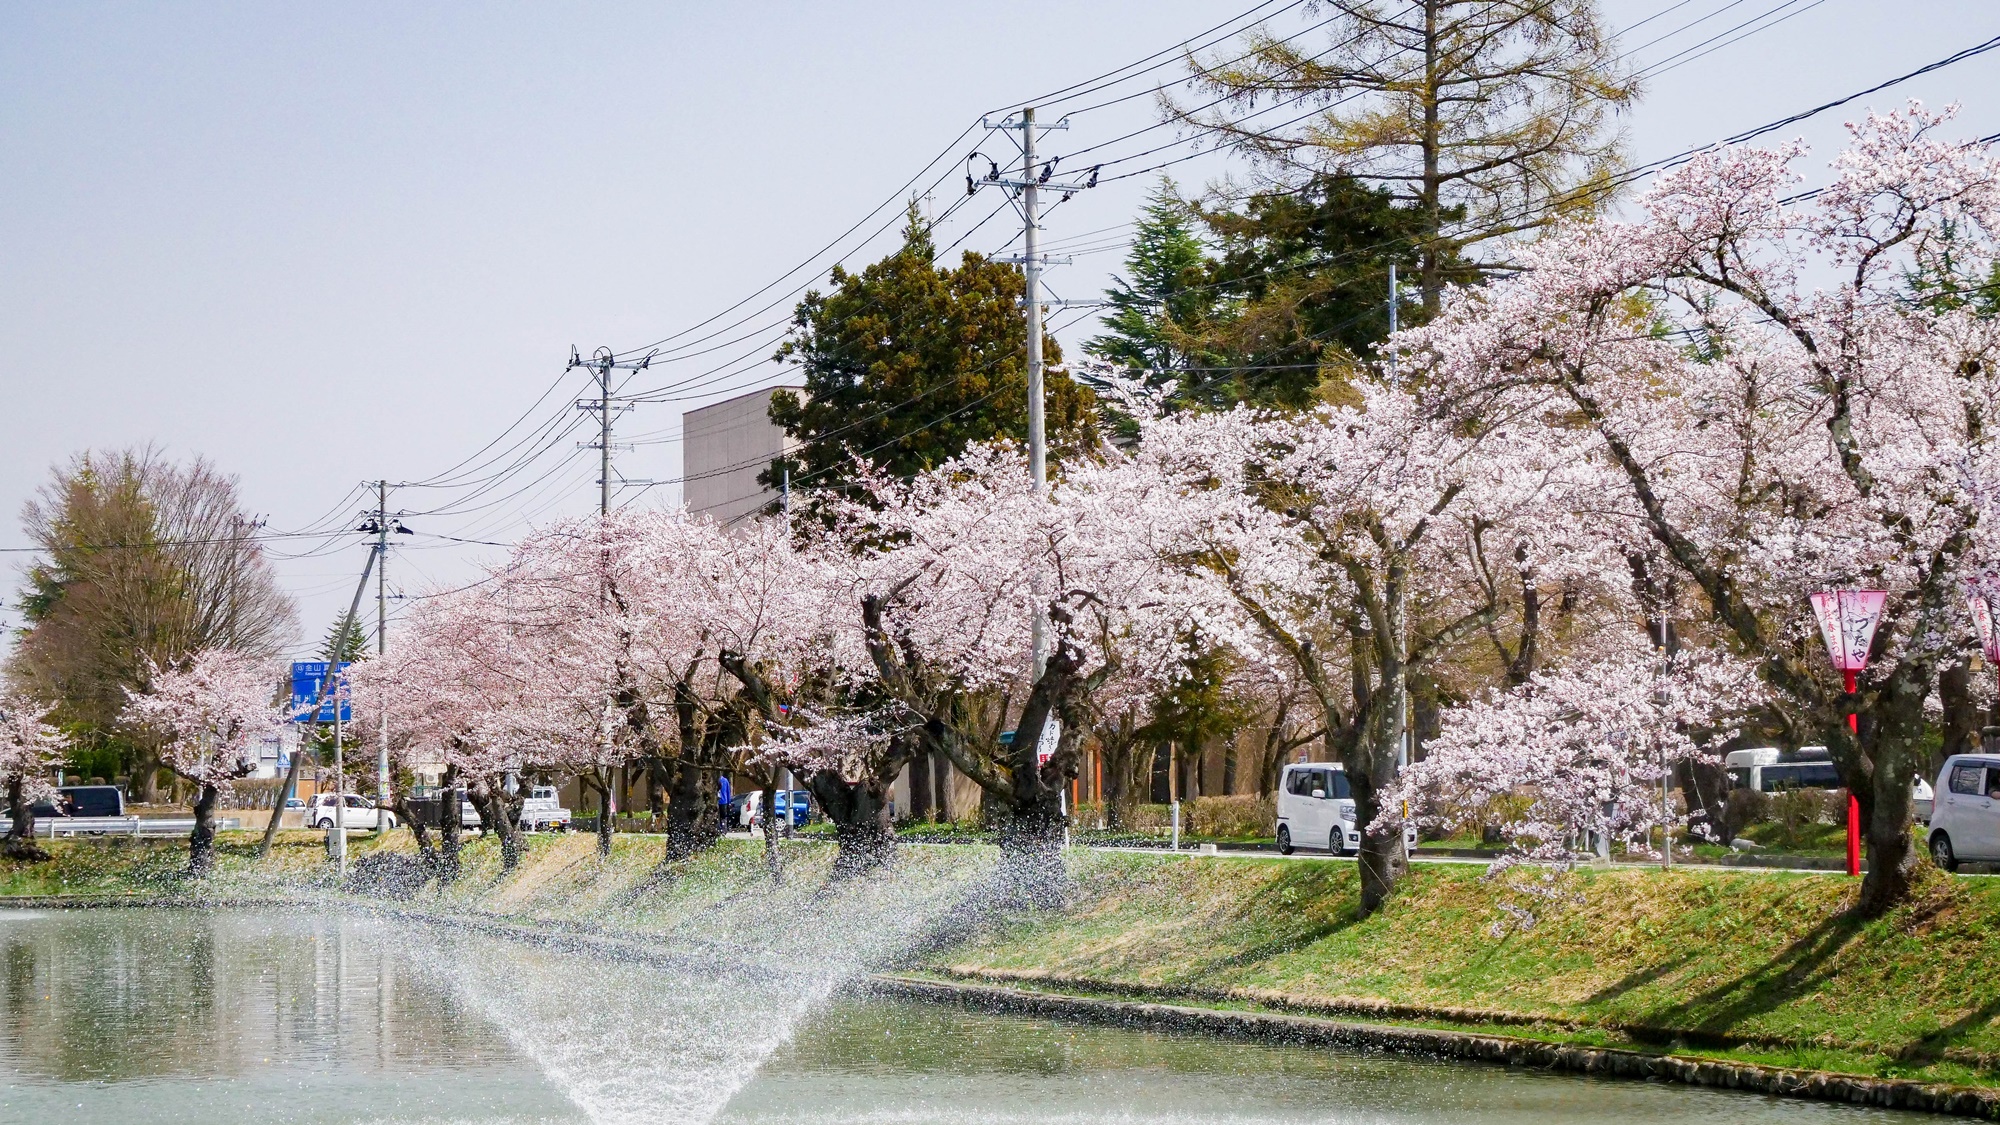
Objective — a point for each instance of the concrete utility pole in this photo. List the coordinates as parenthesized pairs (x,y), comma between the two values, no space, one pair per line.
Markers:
(604,437)
(381,646)
(602,363)
(1027,195)
(1031,268)
(318,704)
(332,678)
(1392,318)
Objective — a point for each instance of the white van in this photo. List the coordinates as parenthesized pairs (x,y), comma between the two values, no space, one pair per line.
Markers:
(1316,810)
(1770,770)
(1965,813)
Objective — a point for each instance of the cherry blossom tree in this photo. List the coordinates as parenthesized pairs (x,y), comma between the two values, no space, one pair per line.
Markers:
(29,749)
(1588,748)
(691,629)
(210,714)
(1340,543)
(1785,418)
(938,648)
(474,689)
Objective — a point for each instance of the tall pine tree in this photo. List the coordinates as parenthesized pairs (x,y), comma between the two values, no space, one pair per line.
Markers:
(1164,300)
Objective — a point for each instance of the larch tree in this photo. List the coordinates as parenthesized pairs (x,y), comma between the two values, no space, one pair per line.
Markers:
(1489,117)
(141,562)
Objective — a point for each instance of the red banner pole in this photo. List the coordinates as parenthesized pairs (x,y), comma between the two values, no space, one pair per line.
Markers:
(1853,803)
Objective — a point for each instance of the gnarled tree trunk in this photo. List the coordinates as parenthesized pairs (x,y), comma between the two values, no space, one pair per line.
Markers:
(499,815)
(449,864)
(694,814)
(201,842)
(20,842)
(426,851)
(859,812)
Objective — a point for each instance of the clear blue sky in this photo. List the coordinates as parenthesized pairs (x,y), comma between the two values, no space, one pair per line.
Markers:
(325,243)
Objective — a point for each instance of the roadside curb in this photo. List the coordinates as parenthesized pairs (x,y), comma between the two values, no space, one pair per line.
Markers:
(1886,1093)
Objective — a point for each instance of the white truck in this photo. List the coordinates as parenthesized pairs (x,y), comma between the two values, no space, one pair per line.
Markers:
(541,811)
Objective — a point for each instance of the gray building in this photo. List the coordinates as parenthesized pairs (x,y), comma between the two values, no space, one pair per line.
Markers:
(723,449)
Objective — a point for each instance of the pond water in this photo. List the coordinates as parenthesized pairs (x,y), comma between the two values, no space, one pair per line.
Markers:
(169,1016)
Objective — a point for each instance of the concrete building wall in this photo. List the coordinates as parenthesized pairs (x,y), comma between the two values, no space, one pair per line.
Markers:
(723,449)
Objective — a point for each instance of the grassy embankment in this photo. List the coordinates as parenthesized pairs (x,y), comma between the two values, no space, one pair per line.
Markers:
(1758,967)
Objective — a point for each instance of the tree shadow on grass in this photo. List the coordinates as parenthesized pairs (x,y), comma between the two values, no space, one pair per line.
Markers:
(1301,894)
(1800,969)
(1639,978)
(1931,1048)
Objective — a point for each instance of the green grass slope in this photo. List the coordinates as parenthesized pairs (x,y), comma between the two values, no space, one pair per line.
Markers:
(1767,967)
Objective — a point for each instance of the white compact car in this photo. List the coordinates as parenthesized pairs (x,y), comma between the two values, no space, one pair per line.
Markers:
(1965,811)
(359,815)
(1316,810)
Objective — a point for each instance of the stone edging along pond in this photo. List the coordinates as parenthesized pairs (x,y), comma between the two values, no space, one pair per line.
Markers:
(1887,1093)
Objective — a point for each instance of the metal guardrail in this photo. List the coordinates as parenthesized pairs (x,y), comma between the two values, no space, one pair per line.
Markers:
(51,827)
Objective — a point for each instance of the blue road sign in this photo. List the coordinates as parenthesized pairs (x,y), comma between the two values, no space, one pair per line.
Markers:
(306,677)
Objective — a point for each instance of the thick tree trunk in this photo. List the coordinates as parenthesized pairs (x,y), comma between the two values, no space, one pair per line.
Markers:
(496,815)
(694,818)
(1892,862)
(426,851)
(920,788)
(1382,859)
(1371,762)
(1032,821)
(941,783)
(1031,867)
(657,772)
(859,812)
(201,842)
(1961,720)
(148,778)
(448,828)
(1892,737)
(604,813)
(20,843)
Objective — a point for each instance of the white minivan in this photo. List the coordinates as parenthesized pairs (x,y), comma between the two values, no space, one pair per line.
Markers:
(1965,811)
(359,814)
(1316,810)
